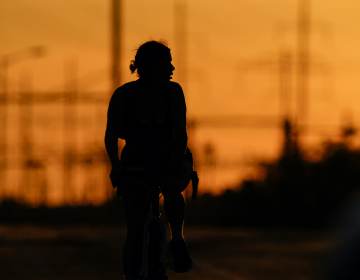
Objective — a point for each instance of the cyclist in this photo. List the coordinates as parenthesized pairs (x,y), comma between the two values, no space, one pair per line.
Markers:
(150,115)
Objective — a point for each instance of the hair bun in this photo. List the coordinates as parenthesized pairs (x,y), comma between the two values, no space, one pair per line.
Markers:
(132,66)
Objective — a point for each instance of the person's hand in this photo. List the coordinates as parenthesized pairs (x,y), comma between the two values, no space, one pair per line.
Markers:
(115,175)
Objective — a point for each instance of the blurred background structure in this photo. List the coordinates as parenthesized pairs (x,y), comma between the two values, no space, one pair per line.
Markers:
(266,65)
(272,95)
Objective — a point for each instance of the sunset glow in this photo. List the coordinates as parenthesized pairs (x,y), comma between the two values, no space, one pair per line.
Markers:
(232,53)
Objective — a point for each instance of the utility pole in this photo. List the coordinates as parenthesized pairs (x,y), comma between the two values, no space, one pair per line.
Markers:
(116,41)
(26,136)
(180,22)
(4,123)
(285,74)
(70,123)
(303,63)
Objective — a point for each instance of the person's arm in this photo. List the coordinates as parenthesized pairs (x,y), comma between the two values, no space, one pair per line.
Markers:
(111,135)
(179,124)
(115,130)
(111,145)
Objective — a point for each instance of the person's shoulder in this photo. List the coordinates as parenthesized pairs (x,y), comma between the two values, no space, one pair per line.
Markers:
(175,86)
(176,90)
(122,92)
(126,88)
(177,93)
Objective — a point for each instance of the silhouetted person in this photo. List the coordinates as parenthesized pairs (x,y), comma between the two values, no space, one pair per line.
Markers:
(150,115)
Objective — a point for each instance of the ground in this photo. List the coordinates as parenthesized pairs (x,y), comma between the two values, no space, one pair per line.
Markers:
(94,252)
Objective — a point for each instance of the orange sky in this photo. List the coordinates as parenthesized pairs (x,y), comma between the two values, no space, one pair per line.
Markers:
(221,35)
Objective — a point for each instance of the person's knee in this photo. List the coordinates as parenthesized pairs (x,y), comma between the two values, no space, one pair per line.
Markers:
(175,200)
(174,205)
(173,196)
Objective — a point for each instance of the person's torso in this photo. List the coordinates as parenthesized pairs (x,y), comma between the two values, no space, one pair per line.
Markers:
(148,126)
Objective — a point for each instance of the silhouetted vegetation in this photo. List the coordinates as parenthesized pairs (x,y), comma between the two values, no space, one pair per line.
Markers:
(14,212)
(296,190)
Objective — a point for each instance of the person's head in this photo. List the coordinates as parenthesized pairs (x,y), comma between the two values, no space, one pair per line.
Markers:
(153,61)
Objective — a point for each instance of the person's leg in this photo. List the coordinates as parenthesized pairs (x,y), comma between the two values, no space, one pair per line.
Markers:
(144,247)
(137,208)
(157,242)
(174,206)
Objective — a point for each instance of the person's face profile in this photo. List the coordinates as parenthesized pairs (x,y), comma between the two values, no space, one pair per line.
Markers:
(164,68)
